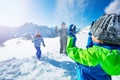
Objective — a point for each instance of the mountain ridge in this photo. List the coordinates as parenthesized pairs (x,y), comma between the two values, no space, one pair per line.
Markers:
(25,30)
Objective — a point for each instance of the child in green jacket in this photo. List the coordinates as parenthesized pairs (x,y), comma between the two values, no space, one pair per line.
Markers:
(97,62)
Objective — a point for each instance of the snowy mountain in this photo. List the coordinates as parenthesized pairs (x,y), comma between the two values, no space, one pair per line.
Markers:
(30,28)
(18,60)
(25,30)
(6,33)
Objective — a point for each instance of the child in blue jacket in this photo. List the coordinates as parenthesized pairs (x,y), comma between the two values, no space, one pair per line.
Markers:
(38,39)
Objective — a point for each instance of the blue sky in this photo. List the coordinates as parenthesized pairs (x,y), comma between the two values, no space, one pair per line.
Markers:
(51,12)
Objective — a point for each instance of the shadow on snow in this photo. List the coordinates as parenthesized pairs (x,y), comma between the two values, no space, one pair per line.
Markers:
(68,66)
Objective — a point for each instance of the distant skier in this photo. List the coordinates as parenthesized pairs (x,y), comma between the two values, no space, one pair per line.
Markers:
(63,37)
(101,59)
(38,39)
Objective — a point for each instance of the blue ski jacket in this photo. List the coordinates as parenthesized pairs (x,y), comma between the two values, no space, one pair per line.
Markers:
(37,41)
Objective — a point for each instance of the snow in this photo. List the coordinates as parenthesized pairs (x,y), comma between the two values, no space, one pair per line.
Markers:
(17,48)
(18,60)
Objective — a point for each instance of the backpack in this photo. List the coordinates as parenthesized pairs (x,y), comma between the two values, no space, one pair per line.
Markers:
(107,29)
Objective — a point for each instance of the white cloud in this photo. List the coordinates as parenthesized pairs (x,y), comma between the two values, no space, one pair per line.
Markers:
(66,10)
(114,7)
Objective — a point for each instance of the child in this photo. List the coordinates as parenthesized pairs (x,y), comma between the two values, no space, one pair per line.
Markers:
(63,37)
(97,62)
(38,39)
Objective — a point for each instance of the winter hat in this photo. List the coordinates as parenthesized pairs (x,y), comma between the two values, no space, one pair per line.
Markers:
(107,29)
(37,32)
(63,23)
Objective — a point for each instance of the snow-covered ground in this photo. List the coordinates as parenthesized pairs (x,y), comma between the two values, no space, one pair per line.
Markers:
(18,60)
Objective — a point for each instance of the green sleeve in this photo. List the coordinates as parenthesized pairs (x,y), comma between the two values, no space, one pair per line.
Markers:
(109,60)
(86,57)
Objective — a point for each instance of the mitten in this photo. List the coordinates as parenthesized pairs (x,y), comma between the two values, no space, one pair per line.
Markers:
(71,32)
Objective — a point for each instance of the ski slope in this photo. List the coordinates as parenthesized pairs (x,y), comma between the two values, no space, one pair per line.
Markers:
(18,60)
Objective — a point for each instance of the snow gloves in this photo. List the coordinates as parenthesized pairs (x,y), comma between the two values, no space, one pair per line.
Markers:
(71,33)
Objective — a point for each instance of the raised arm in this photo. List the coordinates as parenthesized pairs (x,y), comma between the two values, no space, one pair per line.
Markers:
(79,55)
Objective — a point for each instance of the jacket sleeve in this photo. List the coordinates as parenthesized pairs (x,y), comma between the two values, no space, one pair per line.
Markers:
(109,60)
(42,40)
(79,55)
(57,30)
